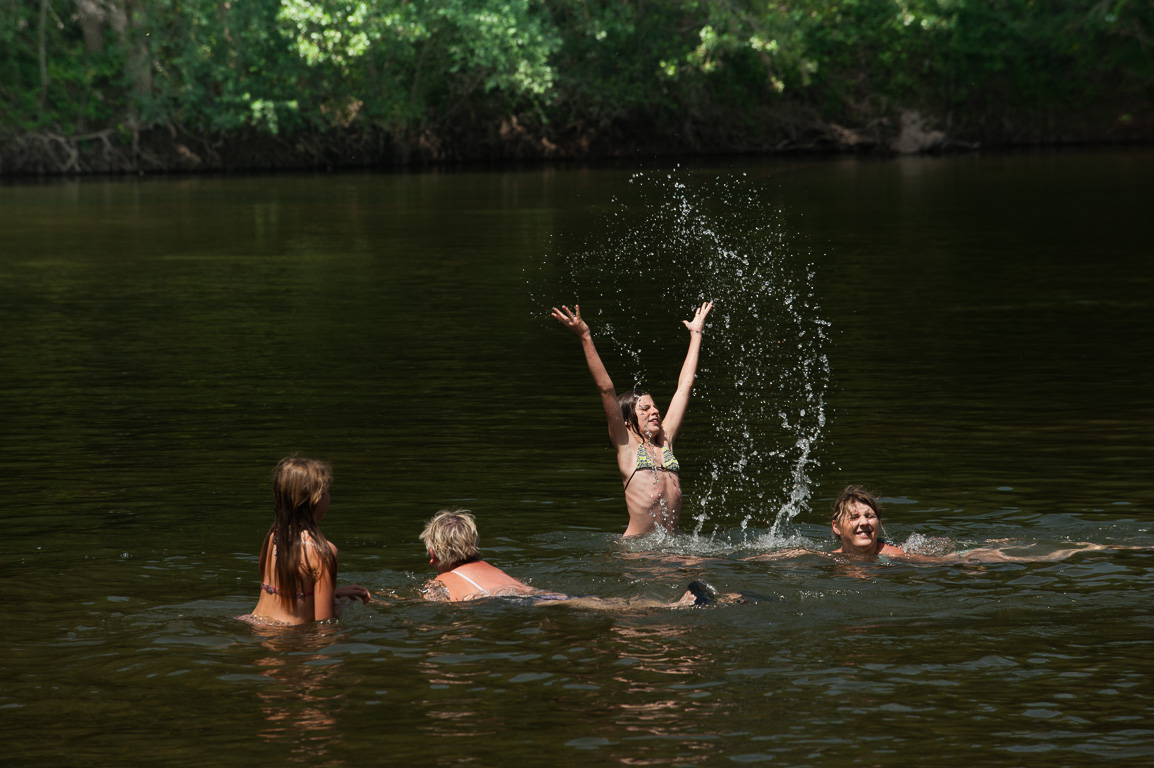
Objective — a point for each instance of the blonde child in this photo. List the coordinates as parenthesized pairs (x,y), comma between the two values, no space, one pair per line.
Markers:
(453,544)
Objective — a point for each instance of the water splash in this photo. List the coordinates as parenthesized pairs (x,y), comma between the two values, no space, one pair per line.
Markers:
(759,402)
(936,546)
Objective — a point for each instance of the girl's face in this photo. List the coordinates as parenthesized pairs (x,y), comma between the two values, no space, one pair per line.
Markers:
(648,416)
(857,528)
(322,507)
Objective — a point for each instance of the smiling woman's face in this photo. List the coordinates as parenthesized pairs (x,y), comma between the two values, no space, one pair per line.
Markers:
(648,416)
(857,528)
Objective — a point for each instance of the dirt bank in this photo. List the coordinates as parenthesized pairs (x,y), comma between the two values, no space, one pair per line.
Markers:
(173,149)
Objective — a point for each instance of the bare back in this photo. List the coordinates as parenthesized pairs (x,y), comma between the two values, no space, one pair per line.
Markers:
(274,606)
(479,579)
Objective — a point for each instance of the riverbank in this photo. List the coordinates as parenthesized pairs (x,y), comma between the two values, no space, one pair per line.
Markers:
(172,149)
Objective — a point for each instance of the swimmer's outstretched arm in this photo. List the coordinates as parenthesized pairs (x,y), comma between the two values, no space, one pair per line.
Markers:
(572,320)
(349,592)
(998,555)
(786,554)
(680,402)
(622,604)
(353,591)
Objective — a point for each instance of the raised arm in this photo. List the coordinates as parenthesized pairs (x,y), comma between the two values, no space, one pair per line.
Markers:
(572,320)
(680,402)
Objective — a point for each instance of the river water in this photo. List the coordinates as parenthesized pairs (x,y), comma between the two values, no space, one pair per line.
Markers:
(967,336)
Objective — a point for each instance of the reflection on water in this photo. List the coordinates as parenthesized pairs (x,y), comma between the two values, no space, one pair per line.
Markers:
(306,692)
(166,340)
(660,693)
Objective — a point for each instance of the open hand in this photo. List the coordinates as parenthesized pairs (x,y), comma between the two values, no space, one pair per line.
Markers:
(697,324)
(571,318)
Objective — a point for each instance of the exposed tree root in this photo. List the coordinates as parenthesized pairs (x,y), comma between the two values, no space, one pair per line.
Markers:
(174,148)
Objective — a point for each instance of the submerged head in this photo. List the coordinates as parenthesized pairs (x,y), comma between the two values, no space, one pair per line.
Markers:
(641,415)
(857,521)
(452,539)
(300,489)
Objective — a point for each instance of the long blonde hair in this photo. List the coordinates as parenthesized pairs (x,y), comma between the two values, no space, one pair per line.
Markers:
(298,485)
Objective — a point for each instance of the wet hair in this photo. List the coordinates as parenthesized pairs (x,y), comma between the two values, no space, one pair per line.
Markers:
(298,485)
(628,402)
(452,538)
(851,494)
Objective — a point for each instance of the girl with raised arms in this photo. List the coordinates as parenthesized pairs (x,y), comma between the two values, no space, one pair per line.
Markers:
(298,565)
(644,441)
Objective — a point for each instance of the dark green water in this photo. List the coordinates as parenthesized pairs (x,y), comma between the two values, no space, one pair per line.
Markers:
(975,332)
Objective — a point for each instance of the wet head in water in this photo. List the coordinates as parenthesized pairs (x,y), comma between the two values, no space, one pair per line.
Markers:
(856,524)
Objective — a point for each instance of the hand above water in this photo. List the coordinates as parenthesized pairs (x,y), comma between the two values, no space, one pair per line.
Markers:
(697,324)
(571,318)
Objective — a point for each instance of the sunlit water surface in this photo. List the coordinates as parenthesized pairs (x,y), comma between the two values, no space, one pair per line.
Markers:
(969,337)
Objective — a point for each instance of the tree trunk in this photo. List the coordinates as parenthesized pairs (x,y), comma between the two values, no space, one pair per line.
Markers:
(127,20)
(92,18)
(43,54)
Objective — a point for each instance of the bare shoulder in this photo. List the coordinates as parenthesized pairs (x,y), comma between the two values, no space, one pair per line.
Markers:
(891,550)
(502,579)
(626,453)
(312,550)
(436,591)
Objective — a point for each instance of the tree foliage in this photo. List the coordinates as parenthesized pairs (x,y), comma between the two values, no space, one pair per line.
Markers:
(407,67)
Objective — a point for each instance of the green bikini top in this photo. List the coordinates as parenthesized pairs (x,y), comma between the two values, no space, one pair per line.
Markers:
(668,463)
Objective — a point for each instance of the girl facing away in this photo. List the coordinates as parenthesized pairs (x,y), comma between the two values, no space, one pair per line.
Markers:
(644,441)
(454,548)
(298,565)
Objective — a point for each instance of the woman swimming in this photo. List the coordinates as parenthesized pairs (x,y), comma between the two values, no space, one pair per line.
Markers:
(857,526)
(298,565)
(644,441)
(453,544)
